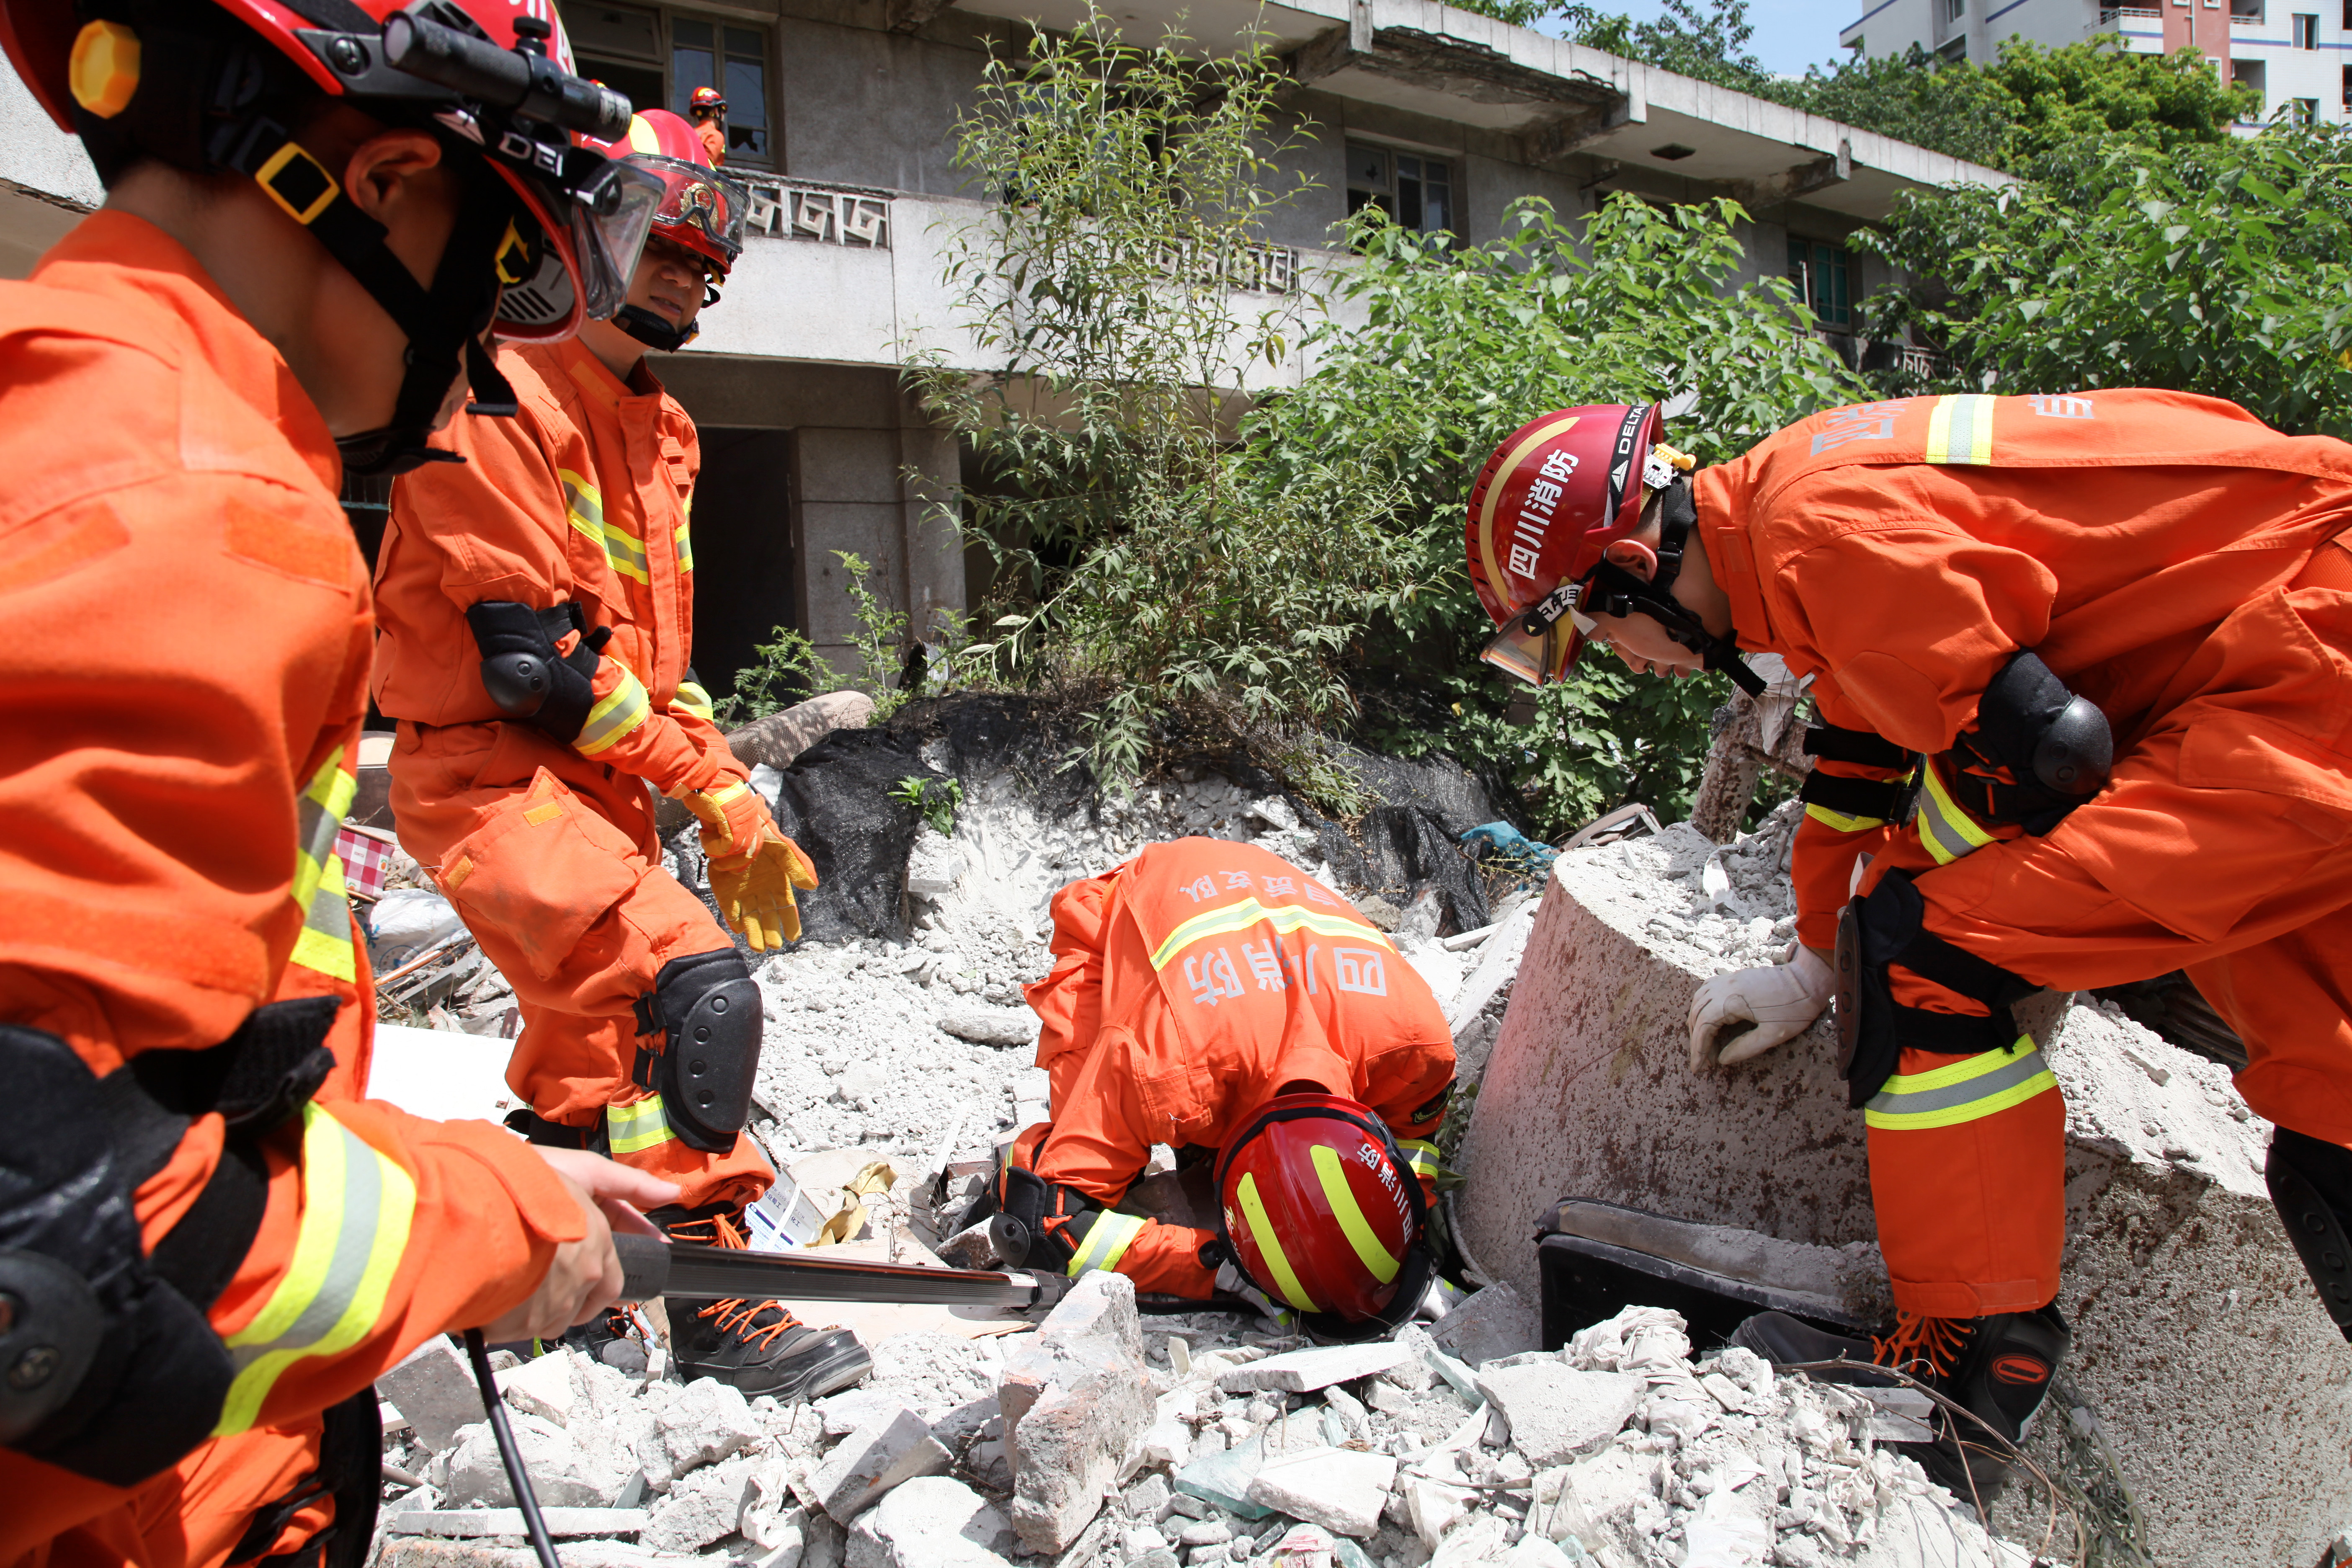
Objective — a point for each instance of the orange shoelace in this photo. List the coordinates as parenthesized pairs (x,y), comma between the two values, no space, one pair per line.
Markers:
(734,1315)
(1920,1345)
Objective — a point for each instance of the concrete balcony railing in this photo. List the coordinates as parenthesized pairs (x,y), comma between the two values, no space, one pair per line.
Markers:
(2122,16)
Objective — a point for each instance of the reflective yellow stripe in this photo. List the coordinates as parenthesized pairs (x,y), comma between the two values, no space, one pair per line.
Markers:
(1947,831)
(1107,1242)
(325,942)
(692,698)
(584,510)
(1350,1214)
(622,710)
(1966,1091)
(1960,429)
(685,545)
(1839,822)
(356,1209)
(1249,913)
(1421,1157)
(631,1129)
(1269,1245)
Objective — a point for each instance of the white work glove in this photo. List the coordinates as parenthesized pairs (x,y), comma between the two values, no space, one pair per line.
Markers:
(1781,1002)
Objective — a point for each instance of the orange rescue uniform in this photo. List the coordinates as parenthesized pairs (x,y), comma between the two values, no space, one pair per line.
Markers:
(181,696)
(548,849)
(1191,984)
(2182,566)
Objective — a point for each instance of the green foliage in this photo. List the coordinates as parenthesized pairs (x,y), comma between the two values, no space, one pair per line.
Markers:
(1459,347)
(789,669)
(1703,38)
(937,799)
(2028,103)
(1120,278)
(880,638)
(2215,269)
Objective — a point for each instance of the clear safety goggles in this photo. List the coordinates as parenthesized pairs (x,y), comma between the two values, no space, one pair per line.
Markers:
(1538,657)
(608,213)
(700,198)
(611,216)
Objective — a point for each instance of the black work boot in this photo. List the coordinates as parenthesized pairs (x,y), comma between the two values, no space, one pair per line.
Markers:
(609,1337)
(760,1347)
(1997,1368)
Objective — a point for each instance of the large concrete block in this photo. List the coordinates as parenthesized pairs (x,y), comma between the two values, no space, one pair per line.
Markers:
(1074,1403)
(2197,1339)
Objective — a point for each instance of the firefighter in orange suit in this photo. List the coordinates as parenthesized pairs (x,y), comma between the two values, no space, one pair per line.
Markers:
(537,615)
(709,110)
(2105,639)
(209,1248)
(1193,986)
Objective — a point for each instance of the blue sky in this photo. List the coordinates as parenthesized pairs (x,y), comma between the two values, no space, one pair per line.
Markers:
(1790,34)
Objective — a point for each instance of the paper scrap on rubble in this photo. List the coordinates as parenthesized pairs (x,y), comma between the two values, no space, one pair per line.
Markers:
(1715,881)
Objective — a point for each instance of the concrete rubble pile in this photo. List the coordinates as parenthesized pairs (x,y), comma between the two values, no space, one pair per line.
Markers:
(1102,1442)
(1097,1439)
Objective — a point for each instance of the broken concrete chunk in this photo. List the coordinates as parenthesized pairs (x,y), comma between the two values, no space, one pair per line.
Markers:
(1075,1405)
(846,1412)
(1556,1412)
(477,1475)
(1493,1322)
(872,1459)
(1433,1508)
(1146,1499)
(1339,1489)
(562,1522)
(434,1389)
(544,1387)
(1304,1371)
(709,1421)
(932,1521)
(701,1509)
(991,1026)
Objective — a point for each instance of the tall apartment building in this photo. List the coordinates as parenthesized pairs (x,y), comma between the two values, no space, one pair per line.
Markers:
(842,119)
(2296,54)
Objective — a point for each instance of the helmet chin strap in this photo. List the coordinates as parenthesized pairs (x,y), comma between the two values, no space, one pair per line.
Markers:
(648,327)
(1610,590)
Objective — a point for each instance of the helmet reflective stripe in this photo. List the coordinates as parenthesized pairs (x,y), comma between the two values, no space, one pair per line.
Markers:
(1350,1214)
(1107,1240)
(1535,439)
(1261,1232)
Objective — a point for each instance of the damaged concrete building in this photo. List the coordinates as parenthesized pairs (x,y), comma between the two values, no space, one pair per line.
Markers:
(842,116)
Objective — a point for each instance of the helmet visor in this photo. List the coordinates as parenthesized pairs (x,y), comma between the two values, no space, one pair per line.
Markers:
(704,204)
(1539,658)
(610,217)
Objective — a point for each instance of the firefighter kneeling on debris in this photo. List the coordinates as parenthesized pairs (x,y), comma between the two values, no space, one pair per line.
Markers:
(2104,643)
(536,605)
(1212,997)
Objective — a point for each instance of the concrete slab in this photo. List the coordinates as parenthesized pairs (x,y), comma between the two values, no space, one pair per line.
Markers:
(2223,1389)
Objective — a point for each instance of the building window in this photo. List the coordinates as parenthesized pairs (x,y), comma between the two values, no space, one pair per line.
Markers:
(2306,31)
(1822,275)
(2306,110)
(2348,90)
(659,58)
(2249,75)
(2347,16)
(1417,192)
(1957,49)
(2246,13)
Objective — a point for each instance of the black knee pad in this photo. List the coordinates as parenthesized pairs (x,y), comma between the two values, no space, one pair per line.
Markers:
(707,1011)
(2311,1185)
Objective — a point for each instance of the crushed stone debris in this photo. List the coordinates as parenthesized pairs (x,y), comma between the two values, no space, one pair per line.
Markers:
(1620,1451)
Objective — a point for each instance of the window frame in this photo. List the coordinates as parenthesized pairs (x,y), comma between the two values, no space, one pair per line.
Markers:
(667,46)
(2303,28)
(1391,152)
(1801,273)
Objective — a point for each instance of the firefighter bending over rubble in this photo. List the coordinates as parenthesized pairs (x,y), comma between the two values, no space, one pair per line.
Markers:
(209,1246)
(537,606)
(1213,998)
(2104,643)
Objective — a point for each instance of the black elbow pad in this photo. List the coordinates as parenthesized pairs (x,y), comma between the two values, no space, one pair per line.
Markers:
(527,679)
(2056,747)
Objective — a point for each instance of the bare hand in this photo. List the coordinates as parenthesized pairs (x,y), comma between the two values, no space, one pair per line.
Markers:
(585,1276)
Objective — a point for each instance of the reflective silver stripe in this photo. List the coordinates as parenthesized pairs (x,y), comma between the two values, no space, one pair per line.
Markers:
(1107,1242)
(357,1206)
(1967,1090)
(621,711)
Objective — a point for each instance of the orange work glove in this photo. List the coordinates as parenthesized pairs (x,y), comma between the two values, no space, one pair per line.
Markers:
(753,867)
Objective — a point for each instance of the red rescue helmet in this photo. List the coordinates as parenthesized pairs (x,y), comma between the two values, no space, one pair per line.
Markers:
(701,208)
(1553,498)
(706,100)
(1318,1208)
(209,86)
